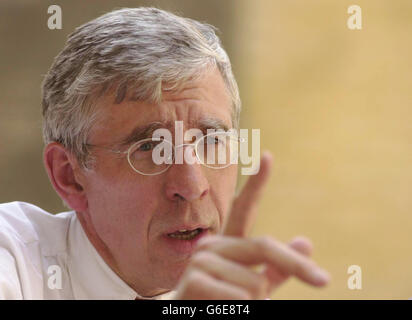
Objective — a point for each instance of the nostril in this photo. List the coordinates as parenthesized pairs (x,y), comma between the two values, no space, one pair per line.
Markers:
(178,197)
(204,193)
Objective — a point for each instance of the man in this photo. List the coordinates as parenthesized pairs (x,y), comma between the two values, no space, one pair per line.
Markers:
(139,229)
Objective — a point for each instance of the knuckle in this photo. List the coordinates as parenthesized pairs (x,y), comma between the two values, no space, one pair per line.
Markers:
(260,286)
(263,284)
(265,243)
(193,278)
(243,295)
(202,257)
(189,284)
(235,294)
(208,241)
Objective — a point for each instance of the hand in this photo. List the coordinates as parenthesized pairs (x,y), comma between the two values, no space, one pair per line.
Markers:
(221,266)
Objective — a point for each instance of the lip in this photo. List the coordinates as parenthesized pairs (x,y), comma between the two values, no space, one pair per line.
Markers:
(184,247)
(186,227)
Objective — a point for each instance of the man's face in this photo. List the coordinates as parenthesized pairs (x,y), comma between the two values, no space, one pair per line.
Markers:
(133,215)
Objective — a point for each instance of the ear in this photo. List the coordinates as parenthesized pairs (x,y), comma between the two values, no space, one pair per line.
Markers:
(61,167)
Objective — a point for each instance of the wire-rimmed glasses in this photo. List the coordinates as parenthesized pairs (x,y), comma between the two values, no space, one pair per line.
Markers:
(153,156)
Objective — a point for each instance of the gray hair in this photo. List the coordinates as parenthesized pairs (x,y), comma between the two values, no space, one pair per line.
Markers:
(131,50)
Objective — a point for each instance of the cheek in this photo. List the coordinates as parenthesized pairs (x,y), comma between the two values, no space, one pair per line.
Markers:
(224,186)
(120,207)
(122,188)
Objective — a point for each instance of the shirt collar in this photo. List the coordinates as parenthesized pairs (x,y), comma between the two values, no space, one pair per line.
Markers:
(90,275)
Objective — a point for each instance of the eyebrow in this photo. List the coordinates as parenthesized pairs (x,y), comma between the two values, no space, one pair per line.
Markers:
(211,123)
(143,132)
(146,131)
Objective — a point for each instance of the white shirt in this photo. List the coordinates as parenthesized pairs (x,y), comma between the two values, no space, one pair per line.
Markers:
(45,256)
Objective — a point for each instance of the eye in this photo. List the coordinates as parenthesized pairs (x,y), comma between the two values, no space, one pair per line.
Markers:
(147,146)
(212,140)
(144,149)
(217,140)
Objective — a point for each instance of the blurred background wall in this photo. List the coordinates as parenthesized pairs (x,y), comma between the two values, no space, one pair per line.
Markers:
(333,106)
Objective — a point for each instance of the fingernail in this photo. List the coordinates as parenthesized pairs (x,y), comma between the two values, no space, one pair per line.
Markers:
(321,276)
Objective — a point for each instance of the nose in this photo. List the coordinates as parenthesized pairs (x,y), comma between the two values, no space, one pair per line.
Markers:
(186,181)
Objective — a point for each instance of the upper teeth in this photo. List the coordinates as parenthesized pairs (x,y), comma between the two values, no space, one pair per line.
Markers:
(185,235)
(184,230)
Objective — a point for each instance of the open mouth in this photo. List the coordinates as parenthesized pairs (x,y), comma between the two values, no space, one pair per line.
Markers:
(186,234)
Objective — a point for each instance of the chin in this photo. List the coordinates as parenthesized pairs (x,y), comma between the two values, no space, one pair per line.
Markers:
(174,273)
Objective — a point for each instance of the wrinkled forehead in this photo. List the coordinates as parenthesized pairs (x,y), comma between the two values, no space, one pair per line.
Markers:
(204,104)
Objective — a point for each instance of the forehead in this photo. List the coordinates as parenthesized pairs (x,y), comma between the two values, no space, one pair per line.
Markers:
(202,101)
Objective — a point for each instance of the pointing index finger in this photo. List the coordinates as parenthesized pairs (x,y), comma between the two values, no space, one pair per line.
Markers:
(244,208)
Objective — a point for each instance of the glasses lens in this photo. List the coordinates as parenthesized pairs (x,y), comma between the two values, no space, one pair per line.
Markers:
(217,150)
(151,156)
